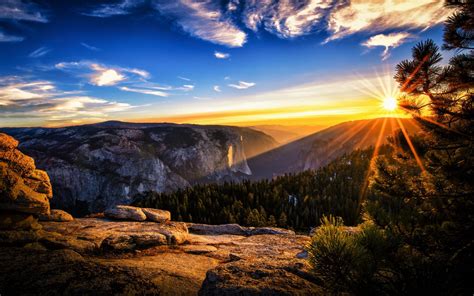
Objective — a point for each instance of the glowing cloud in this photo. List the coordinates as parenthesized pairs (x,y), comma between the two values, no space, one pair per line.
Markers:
(217,88)
(391,40)
(105,77)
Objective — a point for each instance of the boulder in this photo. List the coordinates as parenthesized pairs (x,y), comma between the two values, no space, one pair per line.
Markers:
(157,215)
(122,212)
(23,188)
(57,216)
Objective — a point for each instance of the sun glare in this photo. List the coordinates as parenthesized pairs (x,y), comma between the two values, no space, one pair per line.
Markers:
(390,103)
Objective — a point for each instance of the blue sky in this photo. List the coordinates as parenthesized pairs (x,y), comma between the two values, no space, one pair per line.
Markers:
(226,62)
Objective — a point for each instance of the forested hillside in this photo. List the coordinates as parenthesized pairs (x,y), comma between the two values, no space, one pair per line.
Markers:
(295,201)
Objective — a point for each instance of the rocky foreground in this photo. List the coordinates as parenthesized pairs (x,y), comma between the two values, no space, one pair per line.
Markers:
(102,256)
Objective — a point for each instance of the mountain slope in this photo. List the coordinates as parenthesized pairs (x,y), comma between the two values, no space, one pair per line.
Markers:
(95,166)
(285,134)
(320,148)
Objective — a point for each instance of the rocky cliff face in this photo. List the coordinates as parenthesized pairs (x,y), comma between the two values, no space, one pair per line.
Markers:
(24,190)
(93,167)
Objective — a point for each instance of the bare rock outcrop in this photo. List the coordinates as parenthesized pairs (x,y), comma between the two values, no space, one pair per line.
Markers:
(23,188)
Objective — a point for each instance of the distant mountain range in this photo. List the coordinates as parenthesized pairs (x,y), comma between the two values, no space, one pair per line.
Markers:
(320,148)
(95,166)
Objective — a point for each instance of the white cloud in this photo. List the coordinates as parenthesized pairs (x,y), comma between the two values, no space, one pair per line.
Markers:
(379,15)
(145,91)
(10,38)
(390,40)
(242,85)
(217,88)
(90,47)
(103,75)
(21,11)
(42,51)
(221,55)
(204,20)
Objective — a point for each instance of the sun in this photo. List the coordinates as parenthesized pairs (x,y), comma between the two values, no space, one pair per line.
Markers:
(390,103)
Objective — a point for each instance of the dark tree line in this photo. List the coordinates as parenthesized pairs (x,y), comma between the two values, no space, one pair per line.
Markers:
(295,201)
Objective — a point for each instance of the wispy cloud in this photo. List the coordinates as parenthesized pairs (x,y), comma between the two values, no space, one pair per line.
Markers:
(204,20)
(42,51)
(359,15)
(90,47)
(221,55)
(20,98)
(108,10)
(242,85)
(186,87)
(10,38)
(388,41)
(217,88)
(145,91)
(184,78)
(21,11)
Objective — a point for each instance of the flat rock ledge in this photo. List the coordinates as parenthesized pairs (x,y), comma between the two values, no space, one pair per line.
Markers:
(87,235)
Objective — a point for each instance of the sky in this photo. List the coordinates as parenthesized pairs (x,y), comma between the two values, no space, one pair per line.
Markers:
(236,62)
